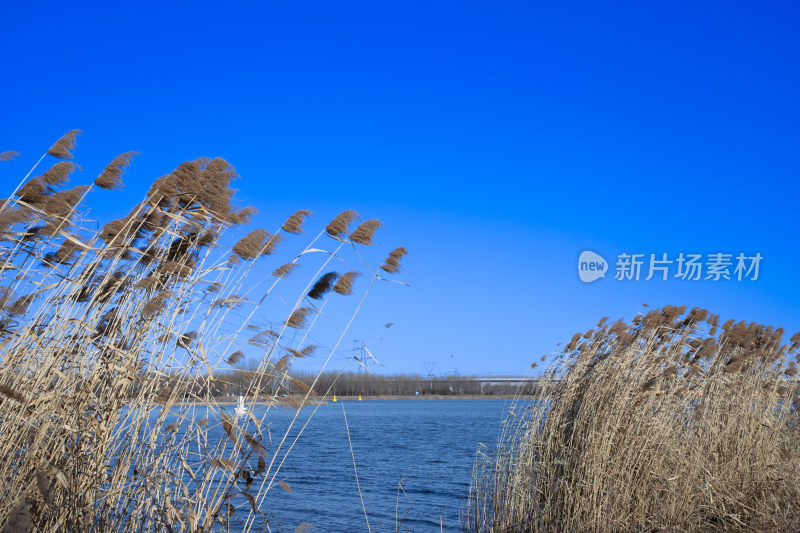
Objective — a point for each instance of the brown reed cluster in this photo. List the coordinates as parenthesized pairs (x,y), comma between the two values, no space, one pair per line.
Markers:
(118,346)
(672,421)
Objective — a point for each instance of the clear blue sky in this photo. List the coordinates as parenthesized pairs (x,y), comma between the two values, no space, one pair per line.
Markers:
(496,140)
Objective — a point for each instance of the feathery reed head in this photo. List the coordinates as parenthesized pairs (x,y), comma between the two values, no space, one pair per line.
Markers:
(338,226)
(13,216)
(345,284)
(365,231)
(13,394)
(284,270)
(309,350)
(214,287)
(257,242)
(298,318)
(59,173)
(392,262)
(235,357)
(34,192)
(250,246)
(111,176)
(21,304)
(9,155)
(294,224)
(61,148)
(65,252)
(230,302)
(323,285)
(154,306)
(63,203)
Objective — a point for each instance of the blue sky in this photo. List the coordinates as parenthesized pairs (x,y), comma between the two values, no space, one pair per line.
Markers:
(495,140)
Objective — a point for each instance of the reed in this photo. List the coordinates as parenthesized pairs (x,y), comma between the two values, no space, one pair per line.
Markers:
(114,345)
(669,422)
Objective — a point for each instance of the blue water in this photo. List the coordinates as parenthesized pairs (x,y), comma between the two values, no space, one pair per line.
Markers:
(414,461)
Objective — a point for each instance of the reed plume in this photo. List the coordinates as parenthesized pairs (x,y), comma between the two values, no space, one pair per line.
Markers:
(345,284)
(364,233)
(155,305)
(59,173)
(9,155)
(323,285)
(34,192)
(256,243)
(235,357)
(298,318)
(21,305)
(338,226)
(284,270)
(62,204)
(392,262)
(111,176)
(61,148)
(294,224)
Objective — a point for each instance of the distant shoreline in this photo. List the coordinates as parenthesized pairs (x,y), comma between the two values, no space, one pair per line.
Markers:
(430,397)
(294,399)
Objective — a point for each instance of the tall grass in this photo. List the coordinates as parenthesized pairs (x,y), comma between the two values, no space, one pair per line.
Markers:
(105,336)
(669,422)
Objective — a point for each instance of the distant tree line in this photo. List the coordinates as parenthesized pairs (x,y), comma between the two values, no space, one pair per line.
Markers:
(366,384)
(235,382)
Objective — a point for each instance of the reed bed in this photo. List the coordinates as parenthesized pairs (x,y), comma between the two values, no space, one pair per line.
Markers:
(113,344)
(672,421)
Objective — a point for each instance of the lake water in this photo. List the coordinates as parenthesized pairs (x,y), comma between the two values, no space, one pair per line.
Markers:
(414,460)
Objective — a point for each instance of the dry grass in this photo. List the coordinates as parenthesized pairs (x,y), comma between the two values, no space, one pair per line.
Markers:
(110,340)
(670,422)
